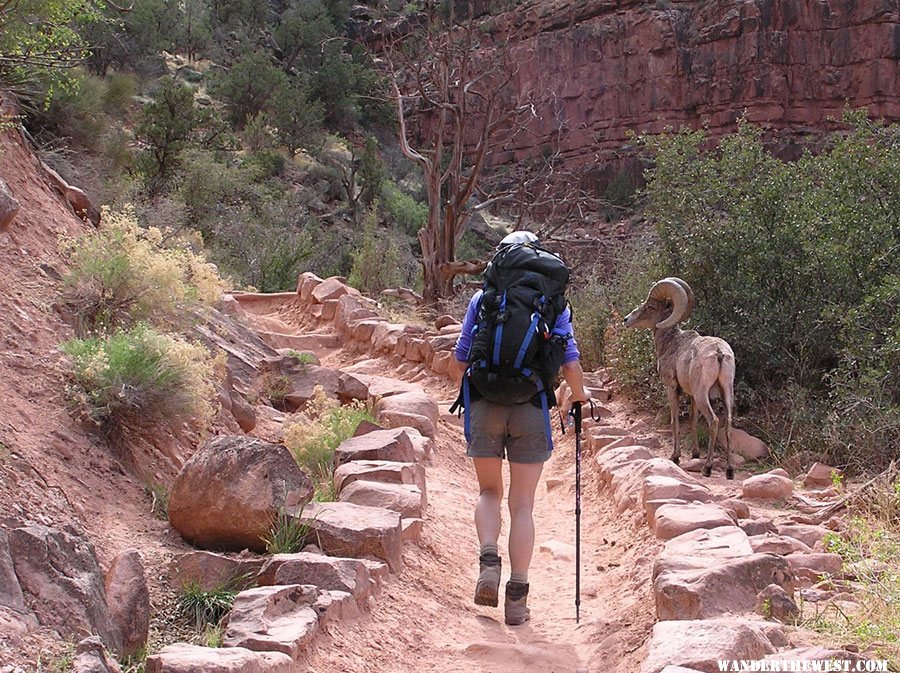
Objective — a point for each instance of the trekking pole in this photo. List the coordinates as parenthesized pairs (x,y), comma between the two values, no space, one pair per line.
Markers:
(576,413)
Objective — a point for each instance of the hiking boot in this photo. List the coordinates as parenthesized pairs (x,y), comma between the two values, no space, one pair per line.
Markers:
(516,608)
(488,584)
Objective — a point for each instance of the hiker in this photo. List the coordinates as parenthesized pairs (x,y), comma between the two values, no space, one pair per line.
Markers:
(515,421)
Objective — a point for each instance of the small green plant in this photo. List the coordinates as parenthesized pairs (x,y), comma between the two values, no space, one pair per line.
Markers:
(213,635)
(201,607)
(4,452)
(276,388)
(159,496)
(56,663)
(767,608)
(137,376)
(303,359)
(135,663)
(313,442)
(289,533)
(837,480)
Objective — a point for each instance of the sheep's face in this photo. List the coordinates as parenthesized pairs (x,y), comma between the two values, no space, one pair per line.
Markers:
(648,314)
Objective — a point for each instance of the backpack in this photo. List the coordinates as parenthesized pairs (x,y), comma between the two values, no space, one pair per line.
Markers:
(514,357)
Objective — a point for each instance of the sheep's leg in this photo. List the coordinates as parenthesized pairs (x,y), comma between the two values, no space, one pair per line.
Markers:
(706,409)
(673,411)
(695,445)
(729,468)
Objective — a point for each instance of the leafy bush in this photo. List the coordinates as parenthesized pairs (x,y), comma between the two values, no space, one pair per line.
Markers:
(122,275)
(75,112)
(120,89)
(138,376)
(248,86)
(407,214)
(313,441)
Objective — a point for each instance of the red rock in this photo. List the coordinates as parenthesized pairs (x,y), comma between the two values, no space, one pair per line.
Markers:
(273,619)
(303,386)
(770,543)
(662,487)
(242,411)
(331,289)
(412,529)
(767,486)
(129,600)
(701,644)
(393,445)
(326,572)
(306,283)
(708,590)
(227,495)
(672,520)
(332,606)
(10,591)
(345,529)
(184,658)
(820,475)
(412,405)
(774,602)
(329,308)
(62,582)
(737,507)
(212,571)
(406,499)
(703,547)
(92,657)
(440,364)
(810,568)
(363,330)
(757,526)
(627,483)
(445,320)
(808,534)
(386,471)
(9,206)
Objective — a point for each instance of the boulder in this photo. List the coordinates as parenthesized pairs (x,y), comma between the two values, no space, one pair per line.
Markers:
(129,599)
(230,491)
(331,289)
(386,336)
(703,547)
(808,534)
(767,486)
(385,471)
(710,590)
(212,571)
(184,658)
(306,283)
(394,445)
(9,206)
(774,602)
(406,499)
(811,568)
(627,483)
(820,475)
(414,409)
(242,411)
(613,459)
(702,644)
(326,572)
(746,445)
(443,321)
(62,581)
(440,363)
(411,529)
(92,657)
(674,519)
(273,619)
(363,330)
(303,386)
(345,529)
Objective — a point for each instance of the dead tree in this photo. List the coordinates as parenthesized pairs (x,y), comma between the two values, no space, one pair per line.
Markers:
(456,104)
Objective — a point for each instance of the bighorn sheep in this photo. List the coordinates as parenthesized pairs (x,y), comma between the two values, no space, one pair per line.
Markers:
(701,367)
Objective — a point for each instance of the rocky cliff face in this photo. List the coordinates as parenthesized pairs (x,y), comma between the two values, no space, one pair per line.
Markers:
(607,67)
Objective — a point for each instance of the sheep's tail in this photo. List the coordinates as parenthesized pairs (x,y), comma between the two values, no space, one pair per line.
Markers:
(720,356)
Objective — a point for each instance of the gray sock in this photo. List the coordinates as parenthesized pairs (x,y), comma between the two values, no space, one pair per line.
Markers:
(519,578)
(490,548)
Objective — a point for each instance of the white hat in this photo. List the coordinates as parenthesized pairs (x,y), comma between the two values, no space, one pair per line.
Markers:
(519,237)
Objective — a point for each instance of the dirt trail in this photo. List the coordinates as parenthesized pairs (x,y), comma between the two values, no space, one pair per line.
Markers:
(426,619)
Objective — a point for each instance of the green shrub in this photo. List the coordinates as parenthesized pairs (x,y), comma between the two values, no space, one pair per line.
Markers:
(248,86)
(407,214)
(75,113)
(121,275)
(376,264)
(312,442)
(120,90)
(159,496)
(139,376)
(202,608)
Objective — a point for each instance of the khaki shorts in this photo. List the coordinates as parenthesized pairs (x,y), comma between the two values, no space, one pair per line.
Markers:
(518,432)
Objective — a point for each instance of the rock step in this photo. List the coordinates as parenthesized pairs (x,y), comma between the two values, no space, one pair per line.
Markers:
(349,530)
(273,619)
(326,572)
(301,342)
(184,658)
(406,499)
(386,471)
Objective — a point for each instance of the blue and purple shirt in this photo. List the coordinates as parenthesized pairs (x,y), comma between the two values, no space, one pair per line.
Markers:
(563,327)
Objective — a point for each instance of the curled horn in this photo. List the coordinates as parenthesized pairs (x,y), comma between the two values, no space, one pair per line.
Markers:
(673,290)
(690,295)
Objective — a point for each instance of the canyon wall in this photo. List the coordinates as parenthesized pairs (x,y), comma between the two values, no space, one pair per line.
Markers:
(604,68)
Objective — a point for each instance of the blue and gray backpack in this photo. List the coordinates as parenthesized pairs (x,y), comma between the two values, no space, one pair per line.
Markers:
(515,356)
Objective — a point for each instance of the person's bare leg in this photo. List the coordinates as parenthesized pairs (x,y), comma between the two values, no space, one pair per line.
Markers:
(487,510)
(487,524)
(523,480)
